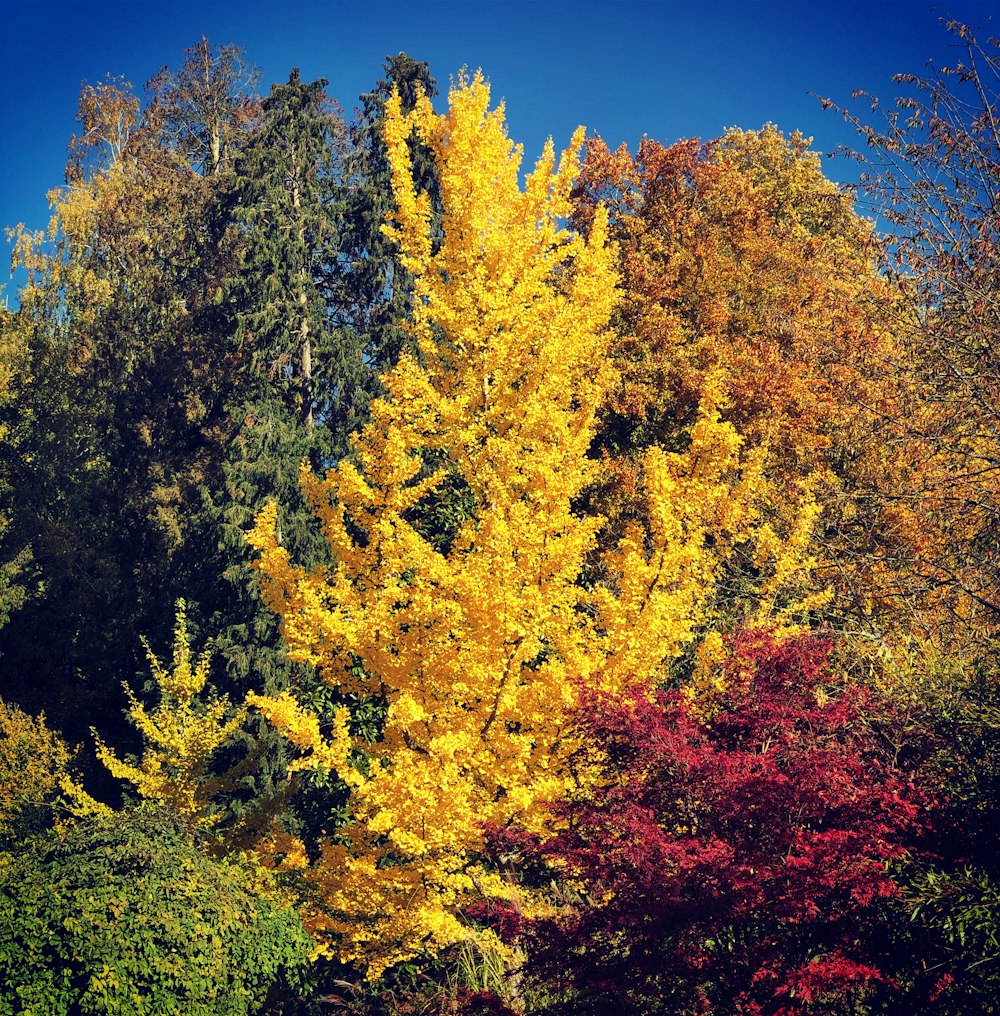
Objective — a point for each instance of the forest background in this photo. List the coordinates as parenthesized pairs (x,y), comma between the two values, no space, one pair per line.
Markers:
(680,76)
(428,586)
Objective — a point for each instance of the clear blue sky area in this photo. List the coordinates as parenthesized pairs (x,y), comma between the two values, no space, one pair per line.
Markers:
(667,69)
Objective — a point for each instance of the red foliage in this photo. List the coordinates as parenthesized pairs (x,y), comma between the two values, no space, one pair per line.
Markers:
(732,863)
(504,918)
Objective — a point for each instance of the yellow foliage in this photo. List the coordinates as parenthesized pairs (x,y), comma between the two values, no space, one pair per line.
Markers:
(481,650)
(33,763)
(180,735)
(52,270)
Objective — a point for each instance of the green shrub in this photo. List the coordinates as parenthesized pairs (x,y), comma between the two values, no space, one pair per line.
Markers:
(123,916)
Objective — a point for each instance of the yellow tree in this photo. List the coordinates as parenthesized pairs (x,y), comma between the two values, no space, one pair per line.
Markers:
(33,762)
(180,735)
(480,647)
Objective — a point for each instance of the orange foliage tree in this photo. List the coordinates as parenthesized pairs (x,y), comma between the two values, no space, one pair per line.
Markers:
(746,268)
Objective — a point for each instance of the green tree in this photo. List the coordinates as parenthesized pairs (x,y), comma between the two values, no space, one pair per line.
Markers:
(299,372)
(375,288)
(122,418)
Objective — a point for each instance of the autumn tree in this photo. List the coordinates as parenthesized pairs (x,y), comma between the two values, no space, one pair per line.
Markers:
(738,253)
(180,734)
(204,107)
(478,647)
(929,172)
(34,761)
(743,267)
(735,859)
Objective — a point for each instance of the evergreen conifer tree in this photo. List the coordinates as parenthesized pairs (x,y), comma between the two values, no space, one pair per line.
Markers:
(298,367)
(375,290)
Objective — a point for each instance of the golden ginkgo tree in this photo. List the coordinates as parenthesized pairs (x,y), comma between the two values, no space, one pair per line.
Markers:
(480,646)
(180,736)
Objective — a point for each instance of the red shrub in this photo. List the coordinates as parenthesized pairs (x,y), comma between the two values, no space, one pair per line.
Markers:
(733,863)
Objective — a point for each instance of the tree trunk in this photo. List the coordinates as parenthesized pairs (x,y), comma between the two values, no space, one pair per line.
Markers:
(305,347)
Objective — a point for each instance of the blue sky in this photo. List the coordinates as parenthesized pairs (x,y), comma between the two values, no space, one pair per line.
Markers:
(668,69)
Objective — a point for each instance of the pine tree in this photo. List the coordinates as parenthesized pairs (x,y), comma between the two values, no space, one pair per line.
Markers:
(375,288)
(299,369)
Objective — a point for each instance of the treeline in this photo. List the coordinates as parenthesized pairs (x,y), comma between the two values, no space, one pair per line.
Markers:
(211,305)
(483,593)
